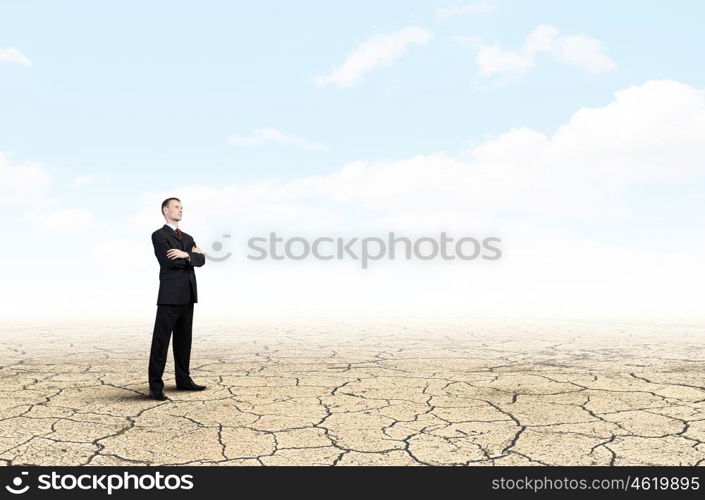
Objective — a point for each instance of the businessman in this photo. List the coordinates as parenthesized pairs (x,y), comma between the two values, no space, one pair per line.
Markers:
(177,254)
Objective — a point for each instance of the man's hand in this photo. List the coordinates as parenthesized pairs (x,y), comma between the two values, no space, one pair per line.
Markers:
(196,250)
(175,253)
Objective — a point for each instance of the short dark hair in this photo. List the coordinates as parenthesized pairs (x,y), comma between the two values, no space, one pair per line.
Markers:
(165,203)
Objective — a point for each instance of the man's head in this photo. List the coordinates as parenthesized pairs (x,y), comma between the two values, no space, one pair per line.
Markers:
(172,209)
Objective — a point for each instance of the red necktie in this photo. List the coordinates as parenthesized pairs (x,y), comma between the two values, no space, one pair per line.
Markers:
(179,233)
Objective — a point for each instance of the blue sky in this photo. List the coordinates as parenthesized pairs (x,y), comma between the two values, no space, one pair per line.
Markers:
(140,98)
(137,87)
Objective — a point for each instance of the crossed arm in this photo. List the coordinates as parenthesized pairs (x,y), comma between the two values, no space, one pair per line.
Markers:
(173,258)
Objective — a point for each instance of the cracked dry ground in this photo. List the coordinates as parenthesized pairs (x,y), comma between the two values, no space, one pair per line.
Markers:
(359,393)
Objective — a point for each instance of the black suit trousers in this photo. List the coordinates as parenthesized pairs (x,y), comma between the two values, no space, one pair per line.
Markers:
(179,319)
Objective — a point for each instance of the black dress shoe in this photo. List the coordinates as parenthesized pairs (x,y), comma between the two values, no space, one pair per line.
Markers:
(159,396)
(190,386)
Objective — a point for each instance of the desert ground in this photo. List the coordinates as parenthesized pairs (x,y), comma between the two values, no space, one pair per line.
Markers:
(359,393)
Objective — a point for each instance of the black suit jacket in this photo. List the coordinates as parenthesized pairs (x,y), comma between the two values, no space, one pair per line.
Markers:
(176,276)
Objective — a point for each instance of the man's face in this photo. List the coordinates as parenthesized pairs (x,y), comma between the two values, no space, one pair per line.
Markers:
(173,210)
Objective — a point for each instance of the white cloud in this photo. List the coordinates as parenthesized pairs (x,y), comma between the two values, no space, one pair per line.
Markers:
(13,56)
(141,253)
(577,50)
(531,189)
(66,219)
(476,7)
(83,180)
(380,50)
(263,135)
(23,183)
(649,133)
(509,185)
